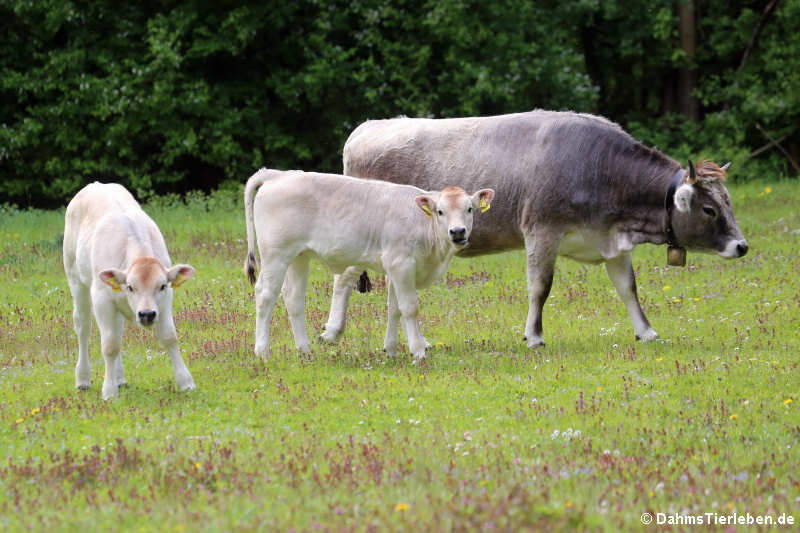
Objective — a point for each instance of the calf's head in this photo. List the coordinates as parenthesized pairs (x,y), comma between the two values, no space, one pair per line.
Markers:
(145,285)
(452,210)
(703,218)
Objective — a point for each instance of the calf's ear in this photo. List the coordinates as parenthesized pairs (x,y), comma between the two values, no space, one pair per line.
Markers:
(427,204)
(483,199)
(114,278)
(179,274)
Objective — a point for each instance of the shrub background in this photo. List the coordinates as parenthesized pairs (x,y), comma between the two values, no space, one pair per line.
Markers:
(167,96)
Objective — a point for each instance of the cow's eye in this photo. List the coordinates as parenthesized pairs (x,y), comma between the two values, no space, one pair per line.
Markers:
(440,212)
(469,210)
(709,211)
(130,288)
(163,287)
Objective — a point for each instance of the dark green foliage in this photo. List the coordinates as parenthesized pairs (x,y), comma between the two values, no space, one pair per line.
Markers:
(167,96)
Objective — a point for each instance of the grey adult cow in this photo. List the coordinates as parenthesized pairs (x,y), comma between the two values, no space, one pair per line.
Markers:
(567,184)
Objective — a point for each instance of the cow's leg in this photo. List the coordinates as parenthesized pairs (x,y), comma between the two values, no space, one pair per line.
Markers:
(342,288)
(390,340)
(403,282)
(294,296)
(268,288)
(82,320)
(110,323)
(620,270)
(165,330)
(119,373)
(541,250)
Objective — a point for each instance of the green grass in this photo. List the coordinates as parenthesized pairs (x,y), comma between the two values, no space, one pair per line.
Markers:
(588,433)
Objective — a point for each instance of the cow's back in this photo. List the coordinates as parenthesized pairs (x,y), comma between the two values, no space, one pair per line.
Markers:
(545,166)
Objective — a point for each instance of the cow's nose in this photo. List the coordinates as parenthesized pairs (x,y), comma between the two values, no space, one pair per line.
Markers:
(742,248)
(458,234)
(147,317)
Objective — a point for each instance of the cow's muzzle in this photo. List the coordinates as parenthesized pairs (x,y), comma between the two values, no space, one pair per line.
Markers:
(735,248)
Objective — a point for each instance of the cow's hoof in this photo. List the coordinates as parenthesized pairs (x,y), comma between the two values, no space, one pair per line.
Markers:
(648,336)
(188,388)
(123,385)
(83,386)
(420,360)
(535,342)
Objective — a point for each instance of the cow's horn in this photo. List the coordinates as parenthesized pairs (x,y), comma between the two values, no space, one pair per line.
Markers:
(726,166)
(692,176)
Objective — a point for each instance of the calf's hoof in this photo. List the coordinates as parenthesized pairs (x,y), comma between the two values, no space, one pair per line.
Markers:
(83,386)
(109,393)
(330,335)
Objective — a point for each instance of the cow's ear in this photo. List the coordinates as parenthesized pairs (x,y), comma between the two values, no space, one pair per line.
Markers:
(427,204)
(683,197)
(114,278)
(483,199)
(179,274)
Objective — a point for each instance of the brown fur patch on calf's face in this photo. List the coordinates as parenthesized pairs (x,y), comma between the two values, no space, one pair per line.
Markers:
(452,196)
(146,273)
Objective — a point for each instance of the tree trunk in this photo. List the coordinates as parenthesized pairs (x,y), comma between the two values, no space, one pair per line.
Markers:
(687,75)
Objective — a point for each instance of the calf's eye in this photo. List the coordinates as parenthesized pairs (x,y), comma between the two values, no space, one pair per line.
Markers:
(469,210)
(440,212)
(709,211)
(130,288)
(163,287)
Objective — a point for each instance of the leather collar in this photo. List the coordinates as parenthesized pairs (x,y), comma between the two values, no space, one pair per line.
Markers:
(669,204)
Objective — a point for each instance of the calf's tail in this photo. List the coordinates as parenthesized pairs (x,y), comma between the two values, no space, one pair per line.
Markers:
(255,181)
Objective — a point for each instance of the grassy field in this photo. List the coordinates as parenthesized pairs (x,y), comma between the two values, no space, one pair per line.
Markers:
(587,433)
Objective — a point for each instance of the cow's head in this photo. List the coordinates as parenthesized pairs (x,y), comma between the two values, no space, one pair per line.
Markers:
(146,286)
(452,210)
(703,218)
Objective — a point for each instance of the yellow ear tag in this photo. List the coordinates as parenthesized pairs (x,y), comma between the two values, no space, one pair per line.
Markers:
(114,284)
(484,205)
(427,210)
(178,281)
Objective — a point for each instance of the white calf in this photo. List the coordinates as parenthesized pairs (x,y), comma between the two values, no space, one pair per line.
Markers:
(351,222)
(118,266)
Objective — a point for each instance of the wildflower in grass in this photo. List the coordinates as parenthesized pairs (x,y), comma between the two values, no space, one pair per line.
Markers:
(599,388)
(659,359)
(734,416)
(402,507)
(20,420)
(568,504)
(198,466)
(676,300)
(787,401)
(767,190)
(34,410)
(665,288)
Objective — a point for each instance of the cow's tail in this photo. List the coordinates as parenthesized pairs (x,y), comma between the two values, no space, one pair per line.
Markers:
(255,181)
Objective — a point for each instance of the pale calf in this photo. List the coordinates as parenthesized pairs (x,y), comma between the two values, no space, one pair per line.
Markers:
(408,233)
(118,267)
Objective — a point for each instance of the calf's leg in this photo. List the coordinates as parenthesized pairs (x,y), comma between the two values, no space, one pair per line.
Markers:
(390,340)
(620,271)
(342,288)
(294,296)
(404,286)
(165,330)
(110,322)
(82,320)
(268,288)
